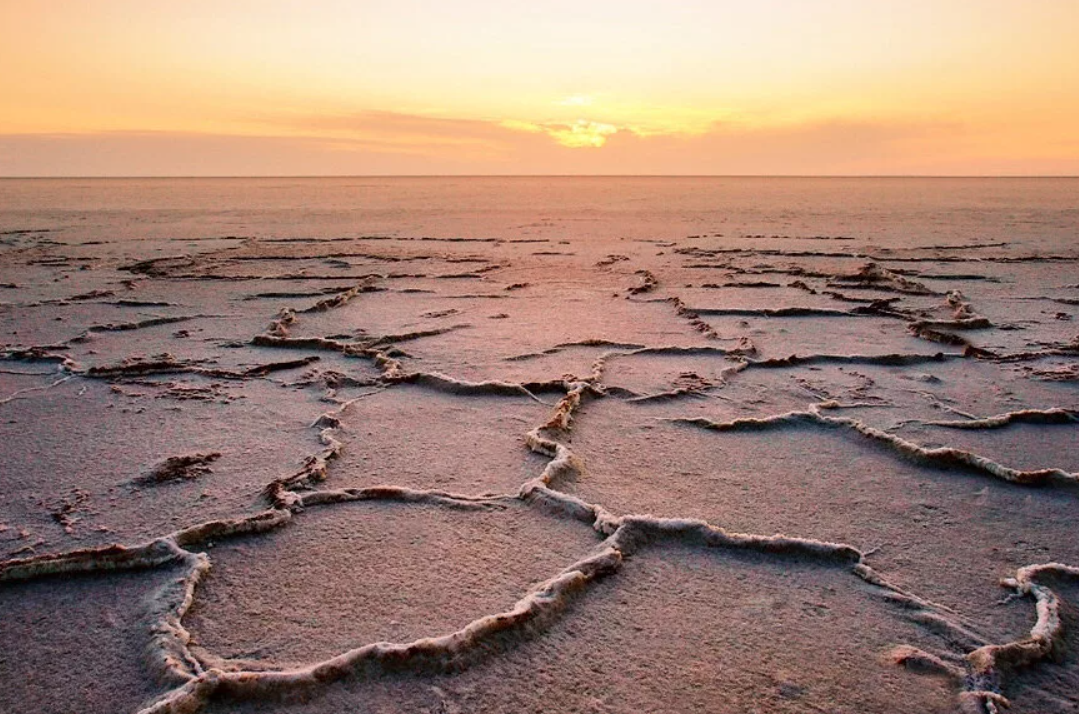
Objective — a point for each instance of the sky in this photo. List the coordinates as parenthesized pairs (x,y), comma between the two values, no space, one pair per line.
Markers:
(403,87)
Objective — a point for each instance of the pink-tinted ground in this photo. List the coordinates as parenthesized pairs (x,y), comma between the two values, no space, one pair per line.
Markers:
(556,454)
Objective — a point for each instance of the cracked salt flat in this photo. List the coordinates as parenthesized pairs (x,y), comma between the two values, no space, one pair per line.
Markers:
(929,526)
(420,571)
(765,634)
(413,437)
(81,447)
(911,586)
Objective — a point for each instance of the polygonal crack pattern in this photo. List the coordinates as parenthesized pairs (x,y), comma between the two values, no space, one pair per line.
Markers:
(371,572)
(481,474)
(687,629)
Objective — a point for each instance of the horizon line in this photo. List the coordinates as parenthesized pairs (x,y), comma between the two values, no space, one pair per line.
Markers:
(444,176)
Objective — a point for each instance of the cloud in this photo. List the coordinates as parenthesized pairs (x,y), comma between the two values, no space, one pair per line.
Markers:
(418,130)
(392,143)
(395,128)
(199,154)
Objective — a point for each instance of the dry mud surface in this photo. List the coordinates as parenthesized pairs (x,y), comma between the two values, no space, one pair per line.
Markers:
(523,468)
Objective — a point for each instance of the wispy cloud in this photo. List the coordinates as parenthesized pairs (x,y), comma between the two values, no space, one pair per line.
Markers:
(412,131)
(381,142)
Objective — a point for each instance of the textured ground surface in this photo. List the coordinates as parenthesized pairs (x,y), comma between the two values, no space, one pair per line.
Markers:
(569,458)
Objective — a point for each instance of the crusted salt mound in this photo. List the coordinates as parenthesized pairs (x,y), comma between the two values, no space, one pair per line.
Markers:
(1053,686)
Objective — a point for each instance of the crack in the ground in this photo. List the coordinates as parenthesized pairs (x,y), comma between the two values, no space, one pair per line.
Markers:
(980,672)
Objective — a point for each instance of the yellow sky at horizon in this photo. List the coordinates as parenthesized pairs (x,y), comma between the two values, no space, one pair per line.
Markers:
(501,85)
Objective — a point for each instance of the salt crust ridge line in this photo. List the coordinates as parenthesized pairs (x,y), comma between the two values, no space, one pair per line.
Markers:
(171,657)
(984,668)
(1055,415)
(871,275)
(174,661)
(984,671)
(381,350)
(942,456)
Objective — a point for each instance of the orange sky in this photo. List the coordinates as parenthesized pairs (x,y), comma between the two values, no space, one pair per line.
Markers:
(277,87)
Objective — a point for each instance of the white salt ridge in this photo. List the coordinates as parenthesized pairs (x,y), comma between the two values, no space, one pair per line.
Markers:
(614,302)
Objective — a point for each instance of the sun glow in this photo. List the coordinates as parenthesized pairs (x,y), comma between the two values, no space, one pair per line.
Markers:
(582,133)
(575,135)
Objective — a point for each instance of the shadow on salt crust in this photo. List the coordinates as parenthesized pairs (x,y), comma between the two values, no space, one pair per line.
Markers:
(1055,686)
(1021,446)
